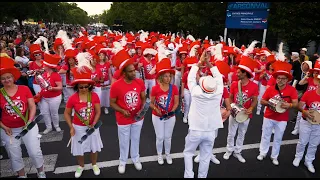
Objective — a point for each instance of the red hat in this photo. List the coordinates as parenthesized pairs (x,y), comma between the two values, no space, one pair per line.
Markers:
(51,60)
(223,68)
(247,64)
(164,66)
(70,53)
(189,61)
(35,49)
(57,42)
(282,68)
(316,67)
(183,50)
(7,66)
(121,60)
(194,44)
(81,75)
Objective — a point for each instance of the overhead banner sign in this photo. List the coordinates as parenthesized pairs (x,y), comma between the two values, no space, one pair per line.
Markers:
(247,15)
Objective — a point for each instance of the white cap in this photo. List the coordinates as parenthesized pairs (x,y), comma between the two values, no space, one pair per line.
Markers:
(208,84)
(295,54)
(304,49)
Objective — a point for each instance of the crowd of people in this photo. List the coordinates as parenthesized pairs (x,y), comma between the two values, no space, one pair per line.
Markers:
(209,81)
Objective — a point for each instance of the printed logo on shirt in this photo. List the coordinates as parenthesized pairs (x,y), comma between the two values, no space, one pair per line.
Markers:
(315,105)
(93,76)
(131,99)
(311,88)
(163,100)
(244,97)
(83,114)
(149,67)
(9,110)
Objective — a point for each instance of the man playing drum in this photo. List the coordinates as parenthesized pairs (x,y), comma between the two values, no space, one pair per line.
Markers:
(244,97)
(282,93)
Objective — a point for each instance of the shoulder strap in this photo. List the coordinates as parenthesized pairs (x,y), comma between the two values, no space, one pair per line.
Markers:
(169,97)
(240,93)
(14,107)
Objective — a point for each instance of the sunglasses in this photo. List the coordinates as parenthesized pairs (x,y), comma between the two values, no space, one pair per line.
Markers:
(29,126)
(37,55)
(82,87)
(90,131)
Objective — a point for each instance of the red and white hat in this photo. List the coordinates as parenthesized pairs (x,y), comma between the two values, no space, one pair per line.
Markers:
(247,64)
(121,60)
(57,42)
(316,67)
(35,49)
(280,66)
(164,66)
(81,75)
(208,84)
(70,53)
(7,66)
(51,60)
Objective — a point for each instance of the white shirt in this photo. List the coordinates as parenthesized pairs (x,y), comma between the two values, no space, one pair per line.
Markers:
(204,114)
(24,60)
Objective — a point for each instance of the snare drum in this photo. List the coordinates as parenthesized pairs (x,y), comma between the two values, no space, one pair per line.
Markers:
(275,105)
(316,115)
(239,113)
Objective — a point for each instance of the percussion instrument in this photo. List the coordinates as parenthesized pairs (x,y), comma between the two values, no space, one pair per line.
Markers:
(316,119)
(275,104)
(41,81)
(239,113)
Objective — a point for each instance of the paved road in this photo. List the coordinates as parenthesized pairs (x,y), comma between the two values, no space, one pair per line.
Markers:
(60,163)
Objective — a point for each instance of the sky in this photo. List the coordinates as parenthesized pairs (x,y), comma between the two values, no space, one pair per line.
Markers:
(93,8)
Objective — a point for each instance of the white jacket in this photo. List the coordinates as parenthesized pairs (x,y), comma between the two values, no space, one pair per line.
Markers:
(204,113)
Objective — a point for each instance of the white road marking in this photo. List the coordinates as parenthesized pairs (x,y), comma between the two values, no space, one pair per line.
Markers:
(104,164)
(49,165)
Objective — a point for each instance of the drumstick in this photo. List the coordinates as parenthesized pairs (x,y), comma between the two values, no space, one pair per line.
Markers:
(69,142)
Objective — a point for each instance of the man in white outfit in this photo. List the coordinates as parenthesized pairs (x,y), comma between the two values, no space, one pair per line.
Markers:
(204,117)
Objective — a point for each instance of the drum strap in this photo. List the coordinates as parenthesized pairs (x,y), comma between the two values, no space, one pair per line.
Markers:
(240,94)
(88,111)
(277,88)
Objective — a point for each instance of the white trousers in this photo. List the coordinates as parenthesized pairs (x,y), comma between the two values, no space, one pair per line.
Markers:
(98,91)
(36,88)
(32,143)
(69,92)
(49,109)
(262,89)
(127,133)
(299,117)
(163,130)
(138,75)
(177,79)
(279,128)
(232,130)
(105,96)
(308,133)
(149,83)
(216,134)
(205,141)
(64,88)
(187,102)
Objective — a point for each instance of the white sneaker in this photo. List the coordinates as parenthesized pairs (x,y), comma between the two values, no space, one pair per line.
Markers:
(169,159)
(138,166)
(295,132)
(106,111)
(310,167)
(121,169)
(272,131)
(239,157)
(1,156)
(96,170)
(258,113)
(160,159)
(260,157)
(214,159)
(185,120)
(41,175)
(23,176)
(296,162)
(227,155)
(47,131)
(197,159)
(275,161)
(58,129)
(78,172)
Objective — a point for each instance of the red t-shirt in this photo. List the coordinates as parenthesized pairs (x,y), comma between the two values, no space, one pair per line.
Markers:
(312,100)
(311,85)
(8,116)
(52,79)
(272,92)
(34,66)
(263,81)
(248,91)
(98,74)
(185,79)
(81,107)
(128,98)
(136,58)
(161,98)
(225,95)
(272,81)
(234,76)
(260,65)
(104,68)
(148,67)
(178,64)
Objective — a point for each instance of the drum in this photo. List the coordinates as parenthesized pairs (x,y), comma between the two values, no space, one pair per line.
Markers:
(223,110)
(275,105)
(239,113)
(316,115)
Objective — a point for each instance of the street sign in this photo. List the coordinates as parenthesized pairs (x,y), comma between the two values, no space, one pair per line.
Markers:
(248,19)
(236,6)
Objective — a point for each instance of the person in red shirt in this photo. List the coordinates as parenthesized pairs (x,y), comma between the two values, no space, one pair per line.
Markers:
(51,96)
(164,106)
(178,76)
(148,62)
(248,100)
(12,124)
(127,98)
(86,105)
(96,74)
(308,133)
(273,119)
(312,81)
(36,54)
(136,59)
(261,69)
